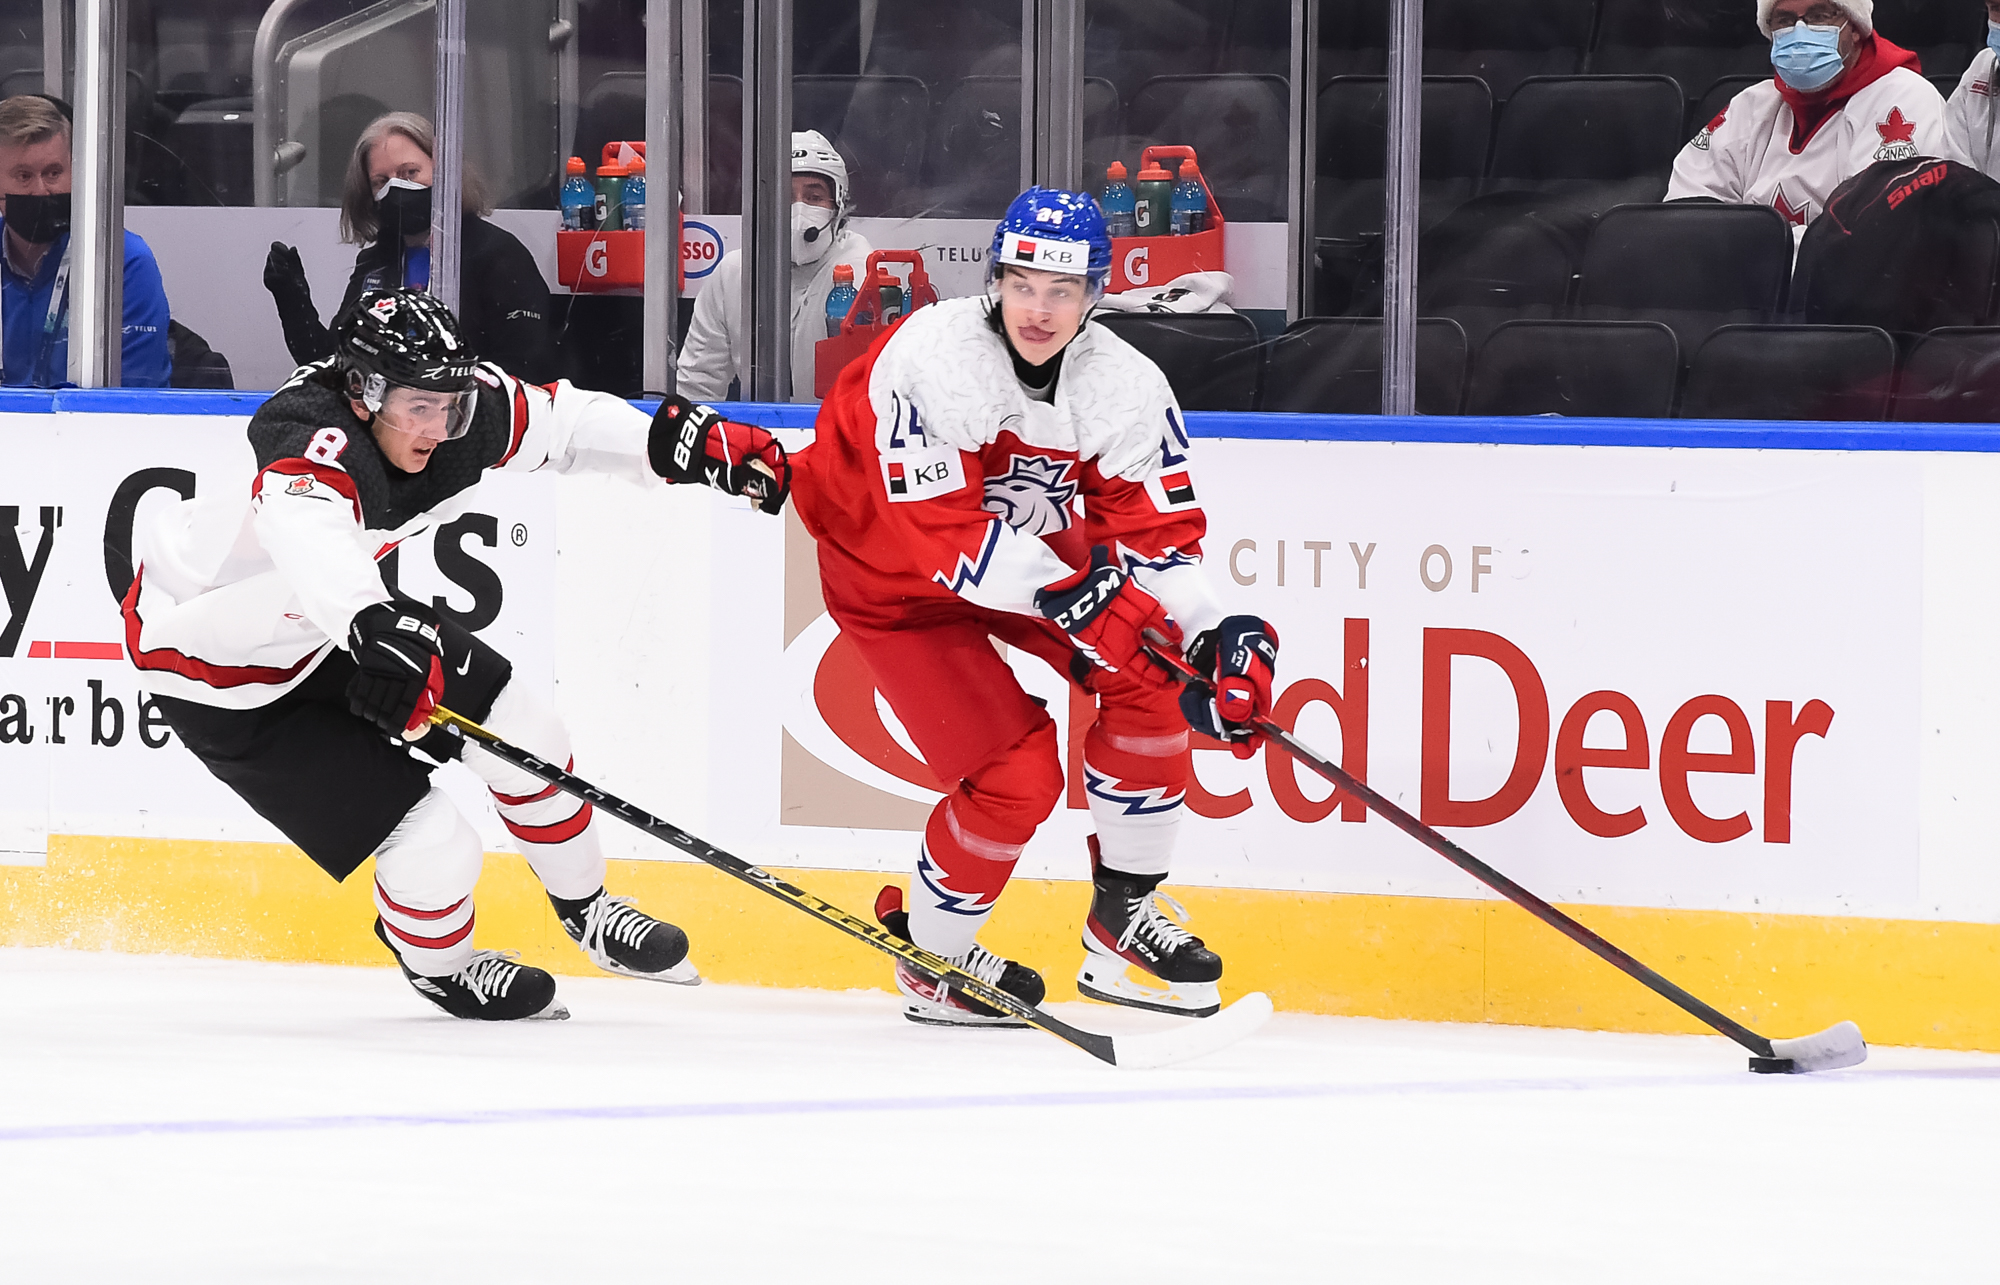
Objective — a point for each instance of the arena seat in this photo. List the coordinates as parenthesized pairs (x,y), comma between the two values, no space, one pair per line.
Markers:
(1495,259)
(1791,372)
(1693,267)
(1239,127)
(1457,125)
(1505,42)
(1589,127)
(1696,42)
(1604,368)
(1943,33)
(1213,360)
(1717,97)
(1333,366)
(614,107)
(1951,376)
(880,124)
(973,162)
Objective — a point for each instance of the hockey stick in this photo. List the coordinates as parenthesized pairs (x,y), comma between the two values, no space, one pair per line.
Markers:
(1836,1046)
(1189,1040)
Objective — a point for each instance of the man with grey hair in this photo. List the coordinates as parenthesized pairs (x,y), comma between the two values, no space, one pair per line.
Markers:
(1843,98)
(35,259)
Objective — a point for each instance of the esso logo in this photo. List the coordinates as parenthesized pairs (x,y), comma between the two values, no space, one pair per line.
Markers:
(1137,270)
(597,259)
(701,249)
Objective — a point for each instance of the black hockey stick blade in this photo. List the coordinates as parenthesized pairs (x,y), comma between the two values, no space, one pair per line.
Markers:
(1837,1046)
(1190,1039)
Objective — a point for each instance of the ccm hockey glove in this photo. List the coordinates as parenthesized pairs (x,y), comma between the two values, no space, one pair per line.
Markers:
(693,443)
(398,667)
(1107,614)
(1238,659)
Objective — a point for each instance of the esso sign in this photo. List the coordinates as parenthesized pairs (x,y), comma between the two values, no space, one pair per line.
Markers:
(1137,270)
(701,249)
(597,259)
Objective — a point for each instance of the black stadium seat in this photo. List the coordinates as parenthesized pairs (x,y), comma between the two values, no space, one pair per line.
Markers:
(1457,125)
(1611,368)
(1495,259)
(1693,267)
(615,108)
(1694,41)
(974,158)
(1333,366)
(1589,127)
(1504,42)
(1239,127)
(880,124)
(1211,359)
(1951,376)
(1791,372)
(1717,98)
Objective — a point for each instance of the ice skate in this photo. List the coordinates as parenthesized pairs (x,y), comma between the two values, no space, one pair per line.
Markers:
(491,988)
(933,1005)
(1134,954)
(623,939)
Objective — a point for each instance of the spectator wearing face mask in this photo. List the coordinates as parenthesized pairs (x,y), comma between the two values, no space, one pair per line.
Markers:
(1970,113)
(1843,98)
(385,208)
(35,259)
(717,350)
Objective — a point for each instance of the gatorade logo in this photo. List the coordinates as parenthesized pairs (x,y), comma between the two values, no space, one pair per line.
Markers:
(1137,270)
(597,259)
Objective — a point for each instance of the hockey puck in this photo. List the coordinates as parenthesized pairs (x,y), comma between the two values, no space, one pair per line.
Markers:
(1774,1066)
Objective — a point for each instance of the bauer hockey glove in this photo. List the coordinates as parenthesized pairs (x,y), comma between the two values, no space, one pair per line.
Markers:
(1107,614)
(693,443)
(398,667)
(1237,659)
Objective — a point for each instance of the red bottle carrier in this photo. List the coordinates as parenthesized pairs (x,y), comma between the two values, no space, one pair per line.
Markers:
(1140,261)
(831,355)
(605,262)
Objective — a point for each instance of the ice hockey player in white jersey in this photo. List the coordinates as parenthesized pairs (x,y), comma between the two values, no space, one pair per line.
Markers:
(1970,112)
(262,623)
(1843,98)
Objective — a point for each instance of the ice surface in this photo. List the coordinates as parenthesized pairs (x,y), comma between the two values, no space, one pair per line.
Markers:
(184,1120)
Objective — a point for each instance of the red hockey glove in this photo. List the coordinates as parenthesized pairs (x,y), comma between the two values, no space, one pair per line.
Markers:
(1107,615)
(693,443)
(1238,658)
(398,667)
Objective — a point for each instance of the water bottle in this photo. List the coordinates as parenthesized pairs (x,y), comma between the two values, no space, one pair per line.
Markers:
(1118,202)
(1190,203)
(610,194)
(892,295)
(1153,200)
(579,199)
(840,298)
(632,196)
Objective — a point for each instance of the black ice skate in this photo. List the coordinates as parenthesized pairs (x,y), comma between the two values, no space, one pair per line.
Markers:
(623,939)
(1135,955)
(933,1005)
(492,988)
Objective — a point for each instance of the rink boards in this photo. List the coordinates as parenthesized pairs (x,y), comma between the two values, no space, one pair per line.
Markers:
(1725,688)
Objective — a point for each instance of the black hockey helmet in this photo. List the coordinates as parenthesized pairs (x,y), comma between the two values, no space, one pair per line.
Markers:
(407,339)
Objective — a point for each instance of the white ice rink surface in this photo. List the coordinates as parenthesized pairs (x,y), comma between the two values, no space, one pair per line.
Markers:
(186,1120)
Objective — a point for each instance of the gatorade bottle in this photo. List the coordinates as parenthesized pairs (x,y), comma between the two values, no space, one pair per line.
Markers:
(1190,203)
(840,298)
(632,196)
(1152,206)
(1117,202)
(579,199)
(610,194)
(892,295)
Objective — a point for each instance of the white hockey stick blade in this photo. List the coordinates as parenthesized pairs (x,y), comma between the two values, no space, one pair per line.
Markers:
(1828,1050)
(1196,1037)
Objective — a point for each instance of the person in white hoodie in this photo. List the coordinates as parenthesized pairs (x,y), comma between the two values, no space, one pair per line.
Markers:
(716,350)
(1970,115)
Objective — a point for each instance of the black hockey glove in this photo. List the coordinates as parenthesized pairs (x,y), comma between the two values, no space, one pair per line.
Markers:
(1238,659)
(693,443)
(398,667)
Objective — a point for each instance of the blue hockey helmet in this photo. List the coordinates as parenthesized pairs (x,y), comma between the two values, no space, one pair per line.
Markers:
(1051,230)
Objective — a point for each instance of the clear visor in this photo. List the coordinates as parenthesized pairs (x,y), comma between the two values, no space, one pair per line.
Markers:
(425,413)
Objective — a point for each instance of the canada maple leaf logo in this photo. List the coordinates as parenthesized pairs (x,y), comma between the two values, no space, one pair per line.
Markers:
(1897,128)
(1793,215)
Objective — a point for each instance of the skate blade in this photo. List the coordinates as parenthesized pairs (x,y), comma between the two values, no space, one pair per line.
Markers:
(681,974)
(1114,981)
(555,1012)
(925,1014)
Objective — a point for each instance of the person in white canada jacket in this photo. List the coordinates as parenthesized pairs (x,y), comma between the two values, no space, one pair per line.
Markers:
(1843,98)
(1970,115)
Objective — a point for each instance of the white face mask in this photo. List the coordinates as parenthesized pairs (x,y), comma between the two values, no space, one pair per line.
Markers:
(812,233)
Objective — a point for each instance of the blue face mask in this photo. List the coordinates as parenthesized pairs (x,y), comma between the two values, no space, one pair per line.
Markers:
(1993,35)
(1807,57)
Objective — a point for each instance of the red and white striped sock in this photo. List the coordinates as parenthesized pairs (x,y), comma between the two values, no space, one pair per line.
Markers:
(424,875)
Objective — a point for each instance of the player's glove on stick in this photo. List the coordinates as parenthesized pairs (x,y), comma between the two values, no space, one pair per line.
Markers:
(1238,658)
(398,667)
(693,443)
(1107,614)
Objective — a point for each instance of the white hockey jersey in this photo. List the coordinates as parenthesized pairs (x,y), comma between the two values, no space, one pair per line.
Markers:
(1775,146)
(238,597)
(1972,118)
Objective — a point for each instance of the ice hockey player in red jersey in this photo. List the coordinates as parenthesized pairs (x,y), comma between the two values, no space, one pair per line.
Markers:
(944,487)
(262,623)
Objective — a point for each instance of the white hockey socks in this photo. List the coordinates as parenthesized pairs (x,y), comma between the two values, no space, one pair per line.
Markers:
(554,829)
(1137,821)
(424,875)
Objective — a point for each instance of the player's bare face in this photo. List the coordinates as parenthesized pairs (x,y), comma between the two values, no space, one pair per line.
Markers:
(1042,311)
(413,422)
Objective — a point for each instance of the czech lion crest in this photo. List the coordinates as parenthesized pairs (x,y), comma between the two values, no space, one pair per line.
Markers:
(1033,495)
